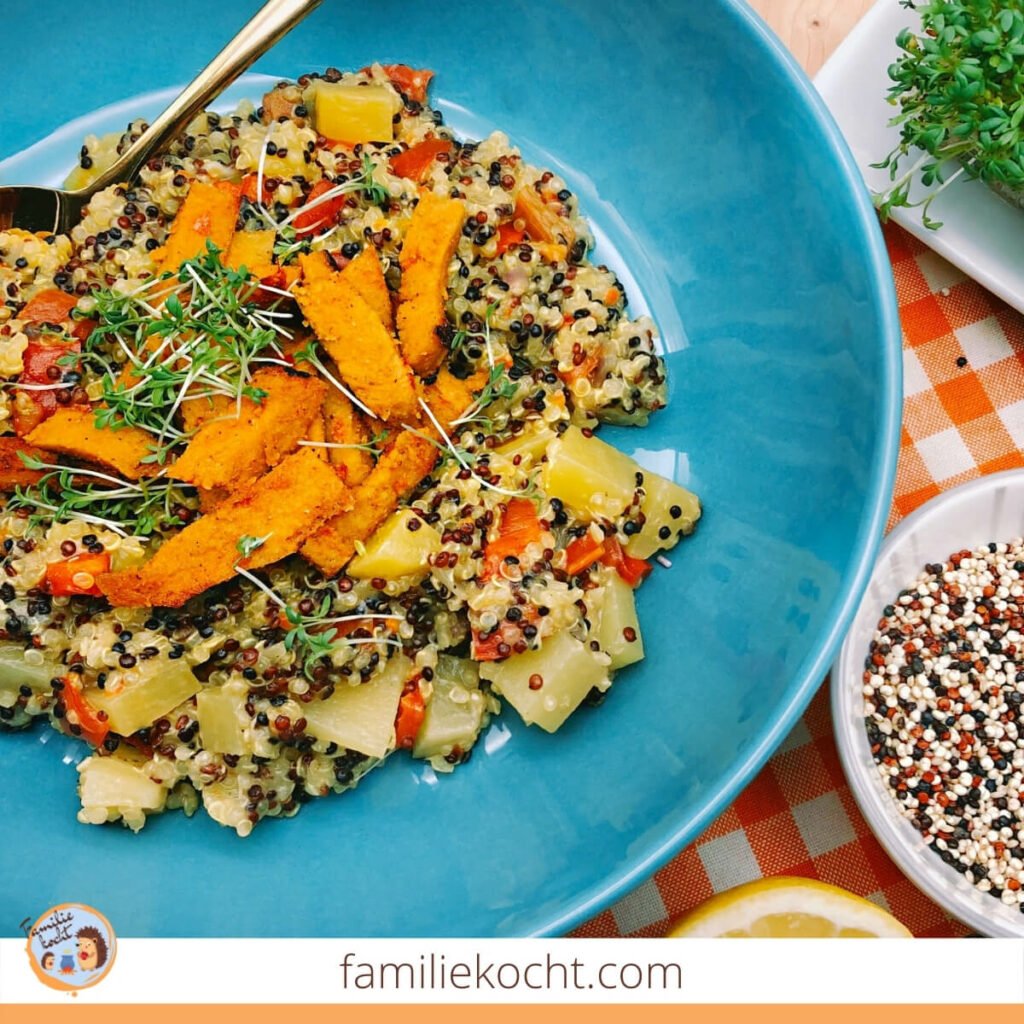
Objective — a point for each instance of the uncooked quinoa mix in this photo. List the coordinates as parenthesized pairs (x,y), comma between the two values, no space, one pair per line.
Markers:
(301,468)
(944,688)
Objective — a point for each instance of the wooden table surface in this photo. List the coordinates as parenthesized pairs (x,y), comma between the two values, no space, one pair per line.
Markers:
(811,29)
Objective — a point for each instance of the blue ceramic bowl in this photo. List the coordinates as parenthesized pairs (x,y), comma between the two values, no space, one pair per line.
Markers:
(709,169)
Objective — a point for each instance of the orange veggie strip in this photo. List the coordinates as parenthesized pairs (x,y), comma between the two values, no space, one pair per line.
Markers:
(253,250)
(411,711)
(51,306)
(508,235)
(14,472)
(632,570)
(412,81)
(543,224)
(92,723)
(430,242)
(582,553)
(414,162)
(287,506)
(76,575)
(409,459)
(208,214)
(365,274)
(73,431)
(324,214)
(352,333)
(519,528)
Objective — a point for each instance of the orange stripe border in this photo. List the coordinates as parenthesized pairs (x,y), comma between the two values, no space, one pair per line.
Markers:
(493,1014)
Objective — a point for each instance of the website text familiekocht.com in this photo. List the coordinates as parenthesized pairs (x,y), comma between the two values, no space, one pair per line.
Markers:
(436,972)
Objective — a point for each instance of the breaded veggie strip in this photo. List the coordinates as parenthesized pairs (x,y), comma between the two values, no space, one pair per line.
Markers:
(343,424)
(208,214)
(318,432)
(209,500)
(194,412)
(427,250)
(409,459)
(74,432)
(253,250)
(285,507)
(14,472)
(449,397)
(233,452)
(364,274)
(366,355)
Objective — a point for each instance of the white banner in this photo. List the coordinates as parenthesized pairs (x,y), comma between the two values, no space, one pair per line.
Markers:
(418,971)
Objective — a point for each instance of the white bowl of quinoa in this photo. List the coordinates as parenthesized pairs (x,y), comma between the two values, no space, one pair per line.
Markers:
(927,697)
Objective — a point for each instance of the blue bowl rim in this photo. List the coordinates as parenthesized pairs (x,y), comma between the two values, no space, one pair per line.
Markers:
(878,500)
(876,511)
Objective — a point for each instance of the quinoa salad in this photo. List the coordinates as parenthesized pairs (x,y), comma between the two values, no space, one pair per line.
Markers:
(944,692)
(300,456)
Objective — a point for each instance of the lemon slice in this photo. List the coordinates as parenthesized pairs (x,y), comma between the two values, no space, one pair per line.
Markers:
(788,908)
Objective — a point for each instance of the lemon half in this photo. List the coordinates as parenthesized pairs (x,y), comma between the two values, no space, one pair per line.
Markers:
(788,908)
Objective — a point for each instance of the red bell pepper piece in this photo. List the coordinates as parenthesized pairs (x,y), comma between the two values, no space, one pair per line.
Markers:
(507,634)
(508,235)
(77,575)
(323,213)
(582,369)
(632,570)
(49,307)
(414,162)
(32,407)
(249,183)
(412,82)
(519,527)
(54,307)
(582,553)
(411,711)
(93,723)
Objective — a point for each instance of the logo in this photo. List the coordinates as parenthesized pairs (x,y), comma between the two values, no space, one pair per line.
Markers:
(71,947)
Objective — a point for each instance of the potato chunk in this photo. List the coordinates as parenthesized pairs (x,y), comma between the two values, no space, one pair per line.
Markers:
(617,621)
(396,550)
(352,113)
(455,711)
(362,717)
(667,506)
(115,787)
(221,714)
(591,477)
(131,706)
(562,672)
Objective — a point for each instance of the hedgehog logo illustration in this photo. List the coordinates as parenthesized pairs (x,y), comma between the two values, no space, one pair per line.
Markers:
(71,946)
(92,948)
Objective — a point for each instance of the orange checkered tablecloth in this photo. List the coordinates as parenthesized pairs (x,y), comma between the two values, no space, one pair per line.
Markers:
(963,416)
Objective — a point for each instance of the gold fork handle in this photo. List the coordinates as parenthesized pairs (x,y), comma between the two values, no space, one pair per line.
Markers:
(273,21)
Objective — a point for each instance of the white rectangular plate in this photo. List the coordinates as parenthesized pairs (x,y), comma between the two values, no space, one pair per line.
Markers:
(981,234)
